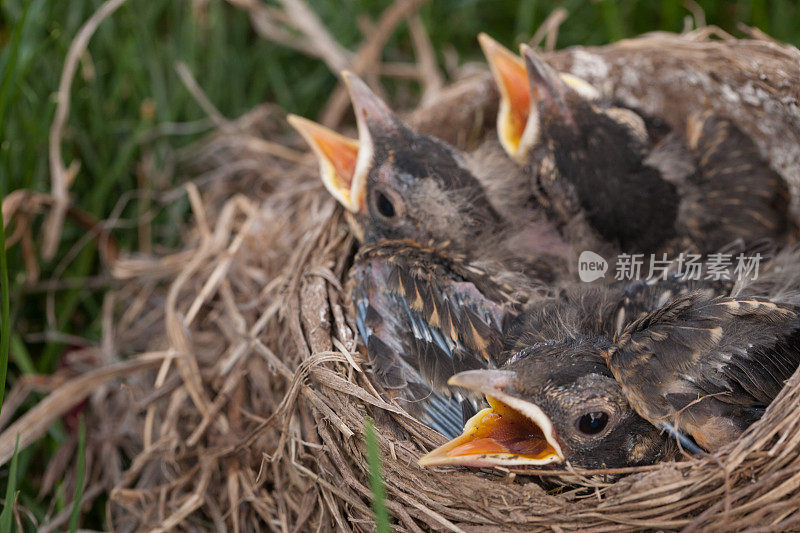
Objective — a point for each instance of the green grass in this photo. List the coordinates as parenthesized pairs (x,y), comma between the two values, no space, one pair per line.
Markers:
(79,478)
(7,515)
(376,478)
(9,76)
(127,83)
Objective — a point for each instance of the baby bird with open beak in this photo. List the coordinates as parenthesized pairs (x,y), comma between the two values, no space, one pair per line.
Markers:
(438,274)
(396,183)
(596,166)
(552,404)
(554,400)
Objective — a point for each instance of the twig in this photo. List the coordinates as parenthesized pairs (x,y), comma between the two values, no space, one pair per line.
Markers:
(408,71)
(268,22)
(428,70)
(305,20)
(35,422)
(60,176)
(585,471)
(57,336)
(757,34)
(548,30)
(58,521)
(191,503)
(367,56)
(200,97)
(697,13)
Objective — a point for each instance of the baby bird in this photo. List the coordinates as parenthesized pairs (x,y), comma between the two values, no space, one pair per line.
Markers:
(552,404)
(554,400)
(594,166)
(584,160)
(396,183)
(732,192)
(438,272)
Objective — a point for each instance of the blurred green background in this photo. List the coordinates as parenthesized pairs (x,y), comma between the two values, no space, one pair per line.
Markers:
(127,84)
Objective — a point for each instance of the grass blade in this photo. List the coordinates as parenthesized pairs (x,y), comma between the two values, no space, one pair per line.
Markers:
(5,318)
(76,502)
(376,479)
(11,64)
(11,492)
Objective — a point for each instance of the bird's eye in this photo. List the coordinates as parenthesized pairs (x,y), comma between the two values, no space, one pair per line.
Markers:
(593,423)
(384,205)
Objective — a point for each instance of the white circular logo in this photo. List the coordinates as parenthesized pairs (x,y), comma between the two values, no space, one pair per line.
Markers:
(591,266)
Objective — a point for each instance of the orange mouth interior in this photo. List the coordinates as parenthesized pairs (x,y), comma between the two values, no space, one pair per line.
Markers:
(511,78)
(496,436)
(338,157)
(513,81)
(342,155)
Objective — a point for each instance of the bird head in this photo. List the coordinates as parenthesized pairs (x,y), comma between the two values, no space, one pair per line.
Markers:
(531,94)
(543,108)
(551,404)
(395,182)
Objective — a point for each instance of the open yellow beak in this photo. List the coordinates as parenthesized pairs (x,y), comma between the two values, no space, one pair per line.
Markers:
(517,118)
(511,78)
(496,436)
(337,157)
(512,432)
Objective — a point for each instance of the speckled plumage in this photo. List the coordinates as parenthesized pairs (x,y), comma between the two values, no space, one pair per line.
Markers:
(708,363)
(425,314)
(552,364)
(708,366)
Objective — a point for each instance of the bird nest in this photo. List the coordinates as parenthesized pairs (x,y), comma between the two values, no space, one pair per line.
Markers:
(245,389)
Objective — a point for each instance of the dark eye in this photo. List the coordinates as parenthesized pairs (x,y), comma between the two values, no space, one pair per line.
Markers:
(593,423)
(384,206)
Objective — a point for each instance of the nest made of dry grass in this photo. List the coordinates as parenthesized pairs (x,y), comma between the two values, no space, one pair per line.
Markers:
(243,388)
